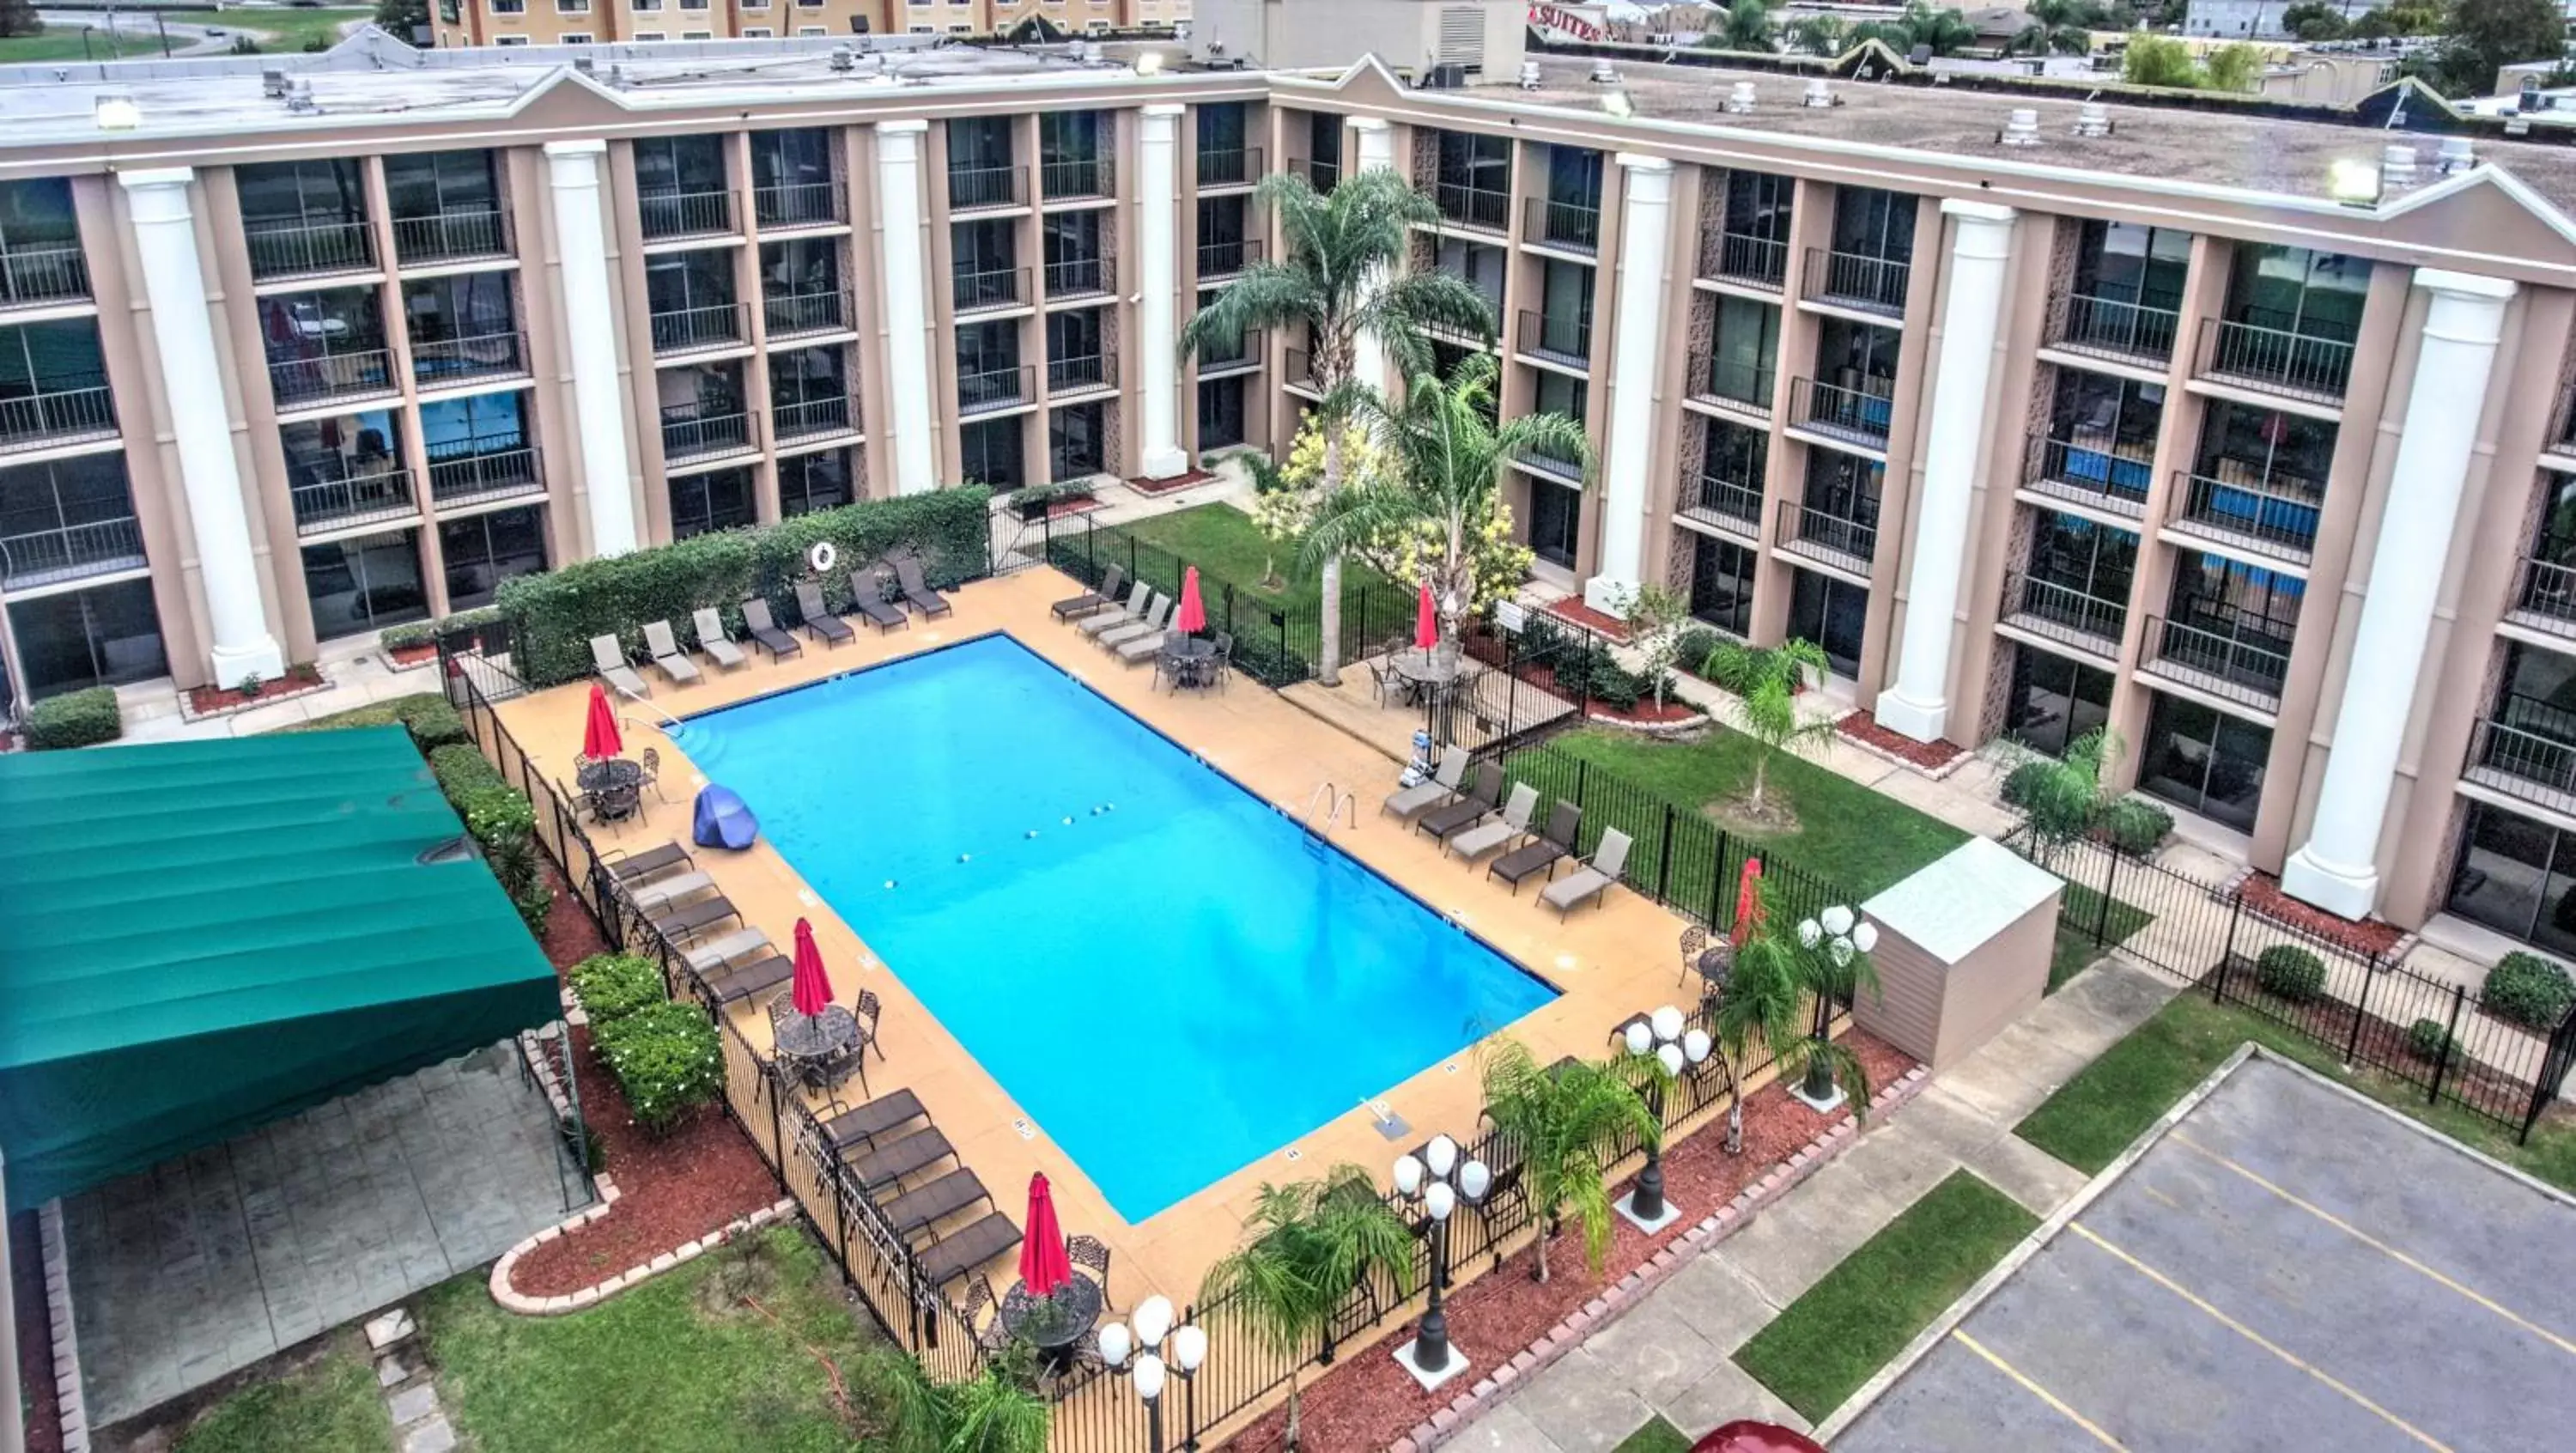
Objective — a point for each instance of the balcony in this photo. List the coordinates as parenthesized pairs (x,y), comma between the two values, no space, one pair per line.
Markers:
(332,371)
(694,431)
(996,389)
(466,471)
(2220,655)
(438,362)
(1079,277)
(1731,383)
(1221,260)
(2562,430)
(2109,328)
(359,499)
(796,315)
(970,187)
(2064,614)
(72,552)
(1082,373)
(2277,515)
(683,330)
(1238,166)
(1554,337)
(1851,415)
(1245,356)
(2544,598)
(1297,370)
(1741,257)
(813,418)
(1566,226)
(1536,461)
(1840,540)
(1474,207)
(991,288)
(63,416)
(2273,360)
(2088,474)
(674,214)
(1856,280)
(1077,179)
(304,249)
(2526,750)
(797,204)
(33,276)
(1731,504)
(451,237)
(1322,176)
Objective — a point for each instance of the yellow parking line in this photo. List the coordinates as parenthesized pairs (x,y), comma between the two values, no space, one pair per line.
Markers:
(2035,1390)
(2375,1244)
(2259,1340)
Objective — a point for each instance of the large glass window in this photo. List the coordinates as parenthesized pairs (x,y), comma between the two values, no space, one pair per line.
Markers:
(1757,205)
(2054,701)
(288,194)
(1745,350)
(991,453)
(481,551)
(36,216)
(1220,412)
(1832,613)
(719,499)
(2102,432)
(1873,223)
(365,584)
(1475,162)
(1565,308)
(67,518)
(1477,264)
(684,282)
(1076,442)
(2126,262)
(679,165)
(2517,876)
(816,481)
(435,183)
(101,636)
(1721,590)
(2095,561)
(1555,521)
(2260,455)
(2298,290)
(1843,488)
(2204,761)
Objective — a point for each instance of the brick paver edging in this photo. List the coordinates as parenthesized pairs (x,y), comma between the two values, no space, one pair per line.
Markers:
(71,1409)
(1615,1300)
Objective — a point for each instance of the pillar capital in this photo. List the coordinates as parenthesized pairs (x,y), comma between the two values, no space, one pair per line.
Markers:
(150,178)
(1969,210)
(908,126)
(1638,161)
(579,146)
(1162,111)
(2469,285)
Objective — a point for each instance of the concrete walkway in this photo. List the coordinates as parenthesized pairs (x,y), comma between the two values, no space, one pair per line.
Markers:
(1672,1353)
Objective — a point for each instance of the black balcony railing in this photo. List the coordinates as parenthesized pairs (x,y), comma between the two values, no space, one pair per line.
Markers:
(1732,382)
(1474,206)
(694,431)
(300,248)
(995,389)
(1745,258)
(2112,328)
(797,204)
(357,368)
(670,214)
(465,470)
(987,186)
(2562,430)
(2280,511)
(1245,354)
(2299,365)
(43,275)
(70,552)
(791,315)
(1323,176)
(1298,369)
(63,416)
(325,504)
(1554,466)
(2527,749)
(1082,372)
(1570,226)
(1856,280)
(1724,501)
(451,236)
(1079,277)
(1219,260)
(1554,336)
(439,361)
(998,287)
(1076,178)
(2234,659)
(2547,590)
(1859,415)
(1836,537)
(811,418)
(2094,473)
(682,329)
(1229,166)
(2064,613)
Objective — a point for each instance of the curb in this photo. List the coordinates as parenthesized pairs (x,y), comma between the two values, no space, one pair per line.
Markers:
(643,1271)
(71,1410)
(1448,1420)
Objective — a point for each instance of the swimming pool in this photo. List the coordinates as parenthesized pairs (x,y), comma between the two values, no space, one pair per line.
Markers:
(1169,976)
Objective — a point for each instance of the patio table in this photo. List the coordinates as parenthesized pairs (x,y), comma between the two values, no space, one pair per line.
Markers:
(607,773)
(811,1040)
(1075,1309)
(1427,668)
(1190,658)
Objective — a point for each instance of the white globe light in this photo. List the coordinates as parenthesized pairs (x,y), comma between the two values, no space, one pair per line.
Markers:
(1115,1344)
(1189,1346)
(1841,951)
(1864,936)
(1408,1175)
(1838,919)
(1668,1023)
(1474,1179)
(1441,1154)
(1808,933)
(1153,1319)
(1695,1045)
(1670,1057)
(1149,1377)
(1440,1200)
(1639,1038)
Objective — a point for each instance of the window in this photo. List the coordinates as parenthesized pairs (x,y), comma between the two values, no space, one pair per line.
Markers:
(1832,613)
(506,40)
(66,519)
(1077,442)
(697,35)
(2125,262)
(575,37)
(2094,561)
(2299,291)
(365,584)
(989,452)
(2054,701)
(481,551)
(1220,412)
(1475,263)
(1555,522)
(816,481)
(2204,761)
(961,28)
(645,6)
(1748,341)
(648,35)
(572,7)
(96,637)
(755,32)
(340,469)
(921,29)
(1721,589)
(2513,874)
(510,7)
(1872,223)
(811,30)
(1757,205)
(476,445)
(2102,432)
(719,499)
(449,12)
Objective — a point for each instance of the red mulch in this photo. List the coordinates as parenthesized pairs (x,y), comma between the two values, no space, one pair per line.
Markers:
(1366,1401)
(414,655)
(209,700)
(1673,709)
(1573,609)
(1165,486)
(1862,726)
(1063,507)
(2262,893)
(35,1335)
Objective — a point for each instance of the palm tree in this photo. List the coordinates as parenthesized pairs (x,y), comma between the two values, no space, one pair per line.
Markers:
(2063,26)
(1768,682)
(1779,998)
(993,1412)
(1747,27)
(1945,32)
(1443,476)
(1819,35)
(1342,278)
(1306,1245)
(1566,1123)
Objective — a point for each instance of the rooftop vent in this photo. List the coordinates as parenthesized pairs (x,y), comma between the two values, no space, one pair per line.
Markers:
(1819,93)
(2092,119)
(272,82)
(843,60)
(617,75)
(2396,168)
(115,111)
(2458,155)
(1091,51)
(299,97)
(583,64)
(2021,128)
(1604,73)
(1739,102)
(1529,75)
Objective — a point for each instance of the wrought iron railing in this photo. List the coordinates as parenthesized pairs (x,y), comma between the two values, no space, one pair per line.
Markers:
(1555,466)
(299,248)
(1219,260)
(43,275)
(1474,206)
(323,504)
(1229,166)
(1856,280)
(2091,473)
(1732,382)
(811,418)
(2547,590)
(1077,277)
(797,204)
(2301,365)
(2526,750)
(674,213)
(2280,510)
(436,361)
(2065,613)
(995,389)
(789,315)
(1323,176)
(1297,369)
(683,329)
(1082,372)
(970,187)
(692,431)
(996,287)
(70,552)
(1727,501)
(1841,539)
(2112,328)
(1554,336)
(2221,658)
(1745,258)
(61,416)
(1076,178)
(1245,354)
(331,370)
(1860,415)
(449,236)
(1569,225)
(465,470)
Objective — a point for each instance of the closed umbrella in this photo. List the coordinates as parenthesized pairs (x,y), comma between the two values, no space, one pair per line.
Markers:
(812,991)
(1426,622)
(599,739)
(1043,1264)
(1748,900)
(1193,616)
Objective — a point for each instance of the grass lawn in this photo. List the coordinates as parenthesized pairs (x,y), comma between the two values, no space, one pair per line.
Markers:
(677,1365)
(2077,914)
(66,43)
(1222,542)
(1657,1436)
(289,29)
(1820,1350)
(328,1406)
(2096,1115)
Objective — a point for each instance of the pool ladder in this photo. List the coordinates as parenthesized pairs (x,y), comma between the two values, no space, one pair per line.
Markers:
(1336,804)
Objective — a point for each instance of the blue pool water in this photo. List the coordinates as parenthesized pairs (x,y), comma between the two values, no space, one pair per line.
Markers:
(1168,975)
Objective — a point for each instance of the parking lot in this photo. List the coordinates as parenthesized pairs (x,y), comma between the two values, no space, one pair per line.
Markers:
(2288,1267)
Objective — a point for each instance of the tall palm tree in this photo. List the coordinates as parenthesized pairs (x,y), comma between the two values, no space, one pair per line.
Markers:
(992,1412)
(1443,471)
(1306,1245)
(1769,681)
(1341,278)
(2063,26)
(1778,998)
(1565,1122)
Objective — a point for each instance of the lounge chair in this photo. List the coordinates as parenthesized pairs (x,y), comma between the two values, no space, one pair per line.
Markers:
(764,630)
(1478,804)
(1118,615)
(860,1125)
(1592,879)
(686,920)
(1146,647)
(1156,617)
(915,1152)
(1551,847)
(638,867)
(713,641)
(1494,833)
(661,892)
(1074,608)
(916,591)
(919,1210)
(665,651)
(819,620)
(715,955)
(960,1252)
(737,984)
(867,597)
(1405,802)
(609,659)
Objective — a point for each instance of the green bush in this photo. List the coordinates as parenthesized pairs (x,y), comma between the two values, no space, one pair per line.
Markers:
(1692,648)
(558,612)
(612,986)
(74,719)
(666,1059)
(501,818)
(2529,990)
(2021,785)
(424,633)
(2290,972)
(2427,1040)
(2135,825)
(431,721)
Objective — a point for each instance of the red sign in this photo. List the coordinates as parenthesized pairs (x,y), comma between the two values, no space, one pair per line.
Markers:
(1568,23)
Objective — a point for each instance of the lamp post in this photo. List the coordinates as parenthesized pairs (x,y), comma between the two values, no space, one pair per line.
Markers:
(1663,1038)
(1149,1351)
(1841,936)
(1438,1180)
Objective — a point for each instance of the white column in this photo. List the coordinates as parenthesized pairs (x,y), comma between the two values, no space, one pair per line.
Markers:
(2338,869)
(1937,558)
(1645,238)
(1158,201)
(598,397)
(905,298)
(165,240)
(1377,153)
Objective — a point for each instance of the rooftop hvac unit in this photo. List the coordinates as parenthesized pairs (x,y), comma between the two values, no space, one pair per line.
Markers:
(272,82)
(2021,128)
(2093,119)
(2458,155)
(1529,75)
(1604,73)
(1819,93)
(843,61)
(1739,102)
(2396,168)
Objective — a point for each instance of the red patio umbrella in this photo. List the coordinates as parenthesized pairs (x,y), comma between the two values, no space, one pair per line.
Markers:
(1426,624)
(1748,900)
(1193,616)
(1042,1260)
(599,739)
(812,991)
(1747,1436)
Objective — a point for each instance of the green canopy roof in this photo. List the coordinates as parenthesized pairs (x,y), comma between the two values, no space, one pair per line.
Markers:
(202,937)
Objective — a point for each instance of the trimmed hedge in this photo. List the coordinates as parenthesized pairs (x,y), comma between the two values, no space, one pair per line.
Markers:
(557,613)
(612,986)
(2290,972)
(81,718)
(2135,825)
(2428,1041)
(2529,990)
(666,1059)
(2022,784)
(431,721)
(501,819)
(424,633)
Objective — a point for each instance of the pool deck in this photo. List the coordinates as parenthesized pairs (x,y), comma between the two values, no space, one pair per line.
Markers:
(1609,962)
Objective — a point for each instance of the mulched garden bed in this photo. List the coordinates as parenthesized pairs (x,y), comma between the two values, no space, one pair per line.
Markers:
(413,655)
(2262,893)
(1599,622)
(1367,1401)
(206,701)
(1063,507)
(1166,486)
(1645,712)
(1863,727)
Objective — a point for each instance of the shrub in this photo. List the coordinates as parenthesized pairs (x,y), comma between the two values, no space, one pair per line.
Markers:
(424,633)
(2021,785)
(74,719)
(502,820)
(431,721)
(1732,665)
(666,1059)
(2290,972)
(2529,990)
(1695,646)
(2427,1040)
(612,986)
(2135,825)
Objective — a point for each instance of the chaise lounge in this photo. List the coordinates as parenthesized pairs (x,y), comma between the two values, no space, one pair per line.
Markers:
(1592,879)
(764,630)
(1551,848)
(1405,802)
(664,648)
(609,659)
(825,626)
(712,640)
(1073,608)
(1486,837)
(868,598)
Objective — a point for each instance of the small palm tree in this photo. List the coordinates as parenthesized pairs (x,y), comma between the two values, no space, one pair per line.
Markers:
(1779,999)
(1945,32)
(1305,1246)
(993,1412)
(1566,1123)
(1341,278)
(1768,682)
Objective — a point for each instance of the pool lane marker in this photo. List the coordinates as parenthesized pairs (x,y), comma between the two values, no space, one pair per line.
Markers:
(2032,1387)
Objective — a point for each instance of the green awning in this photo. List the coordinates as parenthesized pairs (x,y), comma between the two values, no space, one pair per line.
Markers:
(201,937)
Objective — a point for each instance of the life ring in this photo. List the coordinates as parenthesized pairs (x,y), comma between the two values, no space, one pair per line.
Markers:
(822,556)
